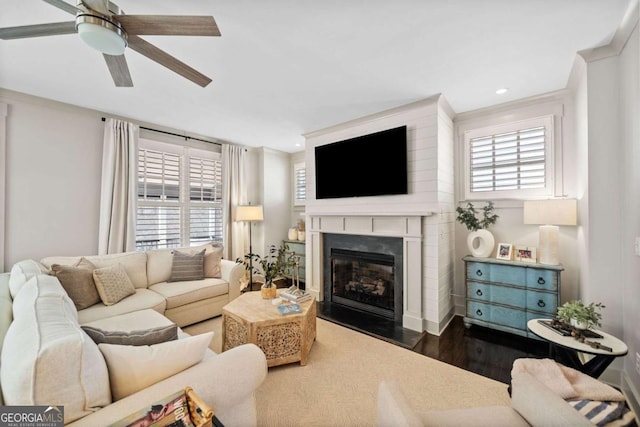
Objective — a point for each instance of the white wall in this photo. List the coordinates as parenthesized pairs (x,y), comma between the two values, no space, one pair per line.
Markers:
(606,88)
(53,168)
(276,185)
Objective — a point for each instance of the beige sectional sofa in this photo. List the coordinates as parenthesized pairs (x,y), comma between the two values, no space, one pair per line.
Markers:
(184,302)
(47,358)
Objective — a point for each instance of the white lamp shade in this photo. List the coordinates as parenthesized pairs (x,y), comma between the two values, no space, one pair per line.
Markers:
(249,213)
(551,212)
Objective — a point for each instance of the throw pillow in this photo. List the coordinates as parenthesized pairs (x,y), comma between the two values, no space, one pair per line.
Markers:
(187,266)
(139,337)
(212,261)
(77,281)
(113,284)
(133,368)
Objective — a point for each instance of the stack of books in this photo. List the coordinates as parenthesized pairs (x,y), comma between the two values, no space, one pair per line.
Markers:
(294,294)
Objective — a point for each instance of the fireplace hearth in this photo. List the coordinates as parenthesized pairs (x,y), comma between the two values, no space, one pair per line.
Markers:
(364,273)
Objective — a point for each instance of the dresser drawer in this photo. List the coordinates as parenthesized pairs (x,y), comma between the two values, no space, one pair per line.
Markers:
(542,279)
(543,302)
(479,310)
(507,274)
(511,317)
(496,294)
(477,271)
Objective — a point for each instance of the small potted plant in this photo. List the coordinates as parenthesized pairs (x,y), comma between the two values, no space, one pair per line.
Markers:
(478,228)
(579,315)
(271,266)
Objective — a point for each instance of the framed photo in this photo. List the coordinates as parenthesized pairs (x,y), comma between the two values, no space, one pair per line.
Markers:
(505,251)
(525,254)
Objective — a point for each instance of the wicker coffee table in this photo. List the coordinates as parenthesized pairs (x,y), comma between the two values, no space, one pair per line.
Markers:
(283,338)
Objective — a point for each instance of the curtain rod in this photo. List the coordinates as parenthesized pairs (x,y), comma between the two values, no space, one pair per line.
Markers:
(176,134)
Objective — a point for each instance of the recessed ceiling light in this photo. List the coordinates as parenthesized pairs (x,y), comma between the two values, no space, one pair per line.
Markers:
(298,144)
(502,91)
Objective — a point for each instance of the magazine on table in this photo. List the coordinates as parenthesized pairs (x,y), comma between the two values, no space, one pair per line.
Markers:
(292,308)
(294,294)
(171,411)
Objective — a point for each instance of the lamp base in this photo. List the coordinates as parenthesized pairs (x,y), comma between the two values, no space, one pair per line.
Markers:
(548,236)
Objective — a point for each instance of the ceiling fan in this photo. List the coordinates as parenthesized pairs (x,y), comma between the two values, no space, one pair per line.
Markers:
(103,25)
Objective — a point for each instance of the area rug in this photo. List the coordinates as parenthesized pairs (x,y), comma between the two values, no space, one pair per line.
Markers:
(338,386)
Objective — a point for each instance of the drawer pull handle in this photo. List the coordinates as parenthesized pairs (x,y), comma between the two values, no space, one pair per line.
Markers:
(479,273)
(541,303)
(541,281)
(479,292)
(479,312)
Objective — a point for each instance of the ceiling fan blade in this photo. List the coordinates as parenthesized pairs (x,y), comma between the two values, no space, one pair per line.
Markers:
(64,6)
(166,25)
(38,30)
(161,57)
(119,70)
(100,6)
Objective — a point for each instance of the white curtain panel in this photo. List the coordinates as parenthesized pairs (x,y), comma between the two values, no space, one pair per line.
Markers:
(119,182)
(235,190)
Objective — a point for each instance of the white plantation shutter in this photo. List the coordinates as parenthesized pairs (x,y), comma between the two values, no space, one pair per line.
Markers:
(205,194)
(510,162)
(179,197)
(300,184)
(159,217)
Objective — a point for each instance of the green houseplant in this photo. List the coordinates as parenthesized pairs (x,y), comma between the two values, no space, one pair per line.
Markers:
(579,315)
(271,266)
(477,226)
(469,216)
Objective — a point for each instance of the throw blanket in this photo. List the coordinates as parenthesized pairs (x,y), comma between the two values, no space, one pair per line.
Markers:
(568,383)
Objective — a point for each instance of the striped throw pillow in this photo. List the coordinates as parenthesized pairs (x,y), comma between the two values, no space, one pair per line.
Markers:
(187,266)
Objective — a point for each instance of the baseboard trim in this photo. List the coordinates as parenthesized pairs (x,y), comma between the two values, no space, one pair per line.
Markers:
(631,393)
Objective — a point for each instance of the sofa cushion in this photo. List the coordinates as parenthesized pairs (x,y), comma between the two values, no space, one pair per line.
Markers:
(141,300)
(47,359)
(181,293)
(134,263)
(212,262)
(159,262)
(133,368)
(77,281)
(21,272)
(186,266)
(149,336)
(113,284)
(141,319)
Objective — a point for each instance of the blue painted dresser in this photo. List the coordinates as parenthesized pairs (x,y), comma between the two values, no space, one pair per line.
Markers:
(505,295)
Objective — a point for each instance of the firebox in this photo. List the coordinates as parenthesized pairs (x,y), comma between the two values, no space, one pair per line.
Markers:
(363,280)
(364,273)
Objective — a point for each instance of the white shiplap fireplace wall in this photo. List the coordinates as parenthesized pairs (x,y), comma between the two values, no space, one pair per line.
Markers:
(423,218)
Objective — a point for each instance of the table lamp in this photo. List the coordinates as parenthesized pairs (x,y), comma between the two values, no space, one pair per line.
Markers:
(250,213)
(550,214)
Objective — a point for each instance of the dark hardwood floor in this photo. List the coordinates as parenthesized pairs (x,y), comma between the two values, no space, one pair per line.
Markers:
(484,351)
(480,350)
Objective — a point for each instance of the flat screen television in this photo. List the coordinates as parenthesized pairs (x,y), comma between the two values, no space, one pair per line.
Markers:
(369,165)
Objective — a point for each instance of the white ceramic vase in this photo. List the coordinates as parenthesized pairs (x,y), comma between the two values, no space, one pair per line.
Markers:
(579,324)
(481,243)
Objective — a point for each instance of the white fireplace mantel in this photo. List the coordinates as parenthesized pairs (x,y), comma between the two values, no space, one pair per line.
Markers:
(409,228)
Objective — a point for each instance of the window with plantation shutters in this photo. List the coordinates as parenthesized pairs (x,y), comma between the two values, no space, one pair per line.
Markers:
(510,161)
(179,196)
(300,184)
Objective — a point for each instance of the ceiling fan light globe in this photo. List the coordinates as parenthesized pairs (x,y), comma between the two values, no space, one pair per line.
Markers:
(101,35)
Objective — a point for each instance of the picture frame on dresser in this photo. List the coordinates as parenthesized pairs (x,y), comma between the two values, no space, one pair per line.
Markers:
(505,251)
(525,254)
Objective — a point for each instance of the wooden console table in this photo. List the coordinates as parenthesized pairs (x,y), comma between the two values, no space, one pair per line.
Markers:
(283,338)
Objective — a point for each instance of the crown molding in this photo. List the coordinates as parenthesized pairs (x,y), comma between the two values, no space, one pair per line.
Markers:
(620,38)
